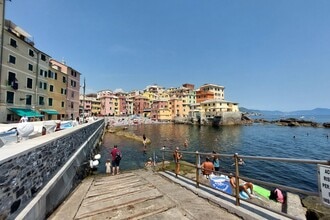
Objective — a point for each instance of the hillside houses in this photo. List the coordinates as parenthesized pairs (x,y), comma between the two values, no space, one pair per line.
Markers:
(184,104)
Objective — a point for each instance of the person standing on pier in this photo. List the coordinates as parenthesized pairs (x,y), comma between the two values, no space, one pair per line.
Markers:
(116,157)
(207,167)
(108,167)
(177,157)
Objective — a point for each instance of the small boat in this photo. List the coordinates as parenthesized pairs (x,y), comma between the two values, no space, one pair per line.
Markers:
(8,136)
(15,134)
(51,125)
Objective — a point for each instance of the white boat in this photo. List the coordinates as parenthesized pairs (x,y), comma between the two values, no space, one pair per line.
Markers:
(20,132)
(12,133)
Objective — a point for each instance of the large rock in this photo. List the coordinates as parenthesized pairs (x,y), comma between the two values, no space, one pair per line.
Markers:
(315,208)
(294,206)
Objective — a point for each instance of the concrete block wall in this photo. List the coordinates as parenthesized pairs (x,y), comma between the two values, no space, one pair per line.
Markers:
(36,175)
(231,118)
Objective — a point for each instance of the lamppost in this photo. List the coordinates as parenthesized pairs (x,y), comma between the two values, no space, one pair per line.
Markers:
(83,110)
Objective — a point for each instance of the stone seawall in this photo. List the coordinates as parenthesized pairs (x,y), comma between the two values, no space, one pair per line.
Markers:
(36,175)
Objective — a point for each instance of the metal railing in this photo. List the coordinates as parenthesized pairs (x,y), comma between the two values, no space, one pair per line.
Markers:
(237,157)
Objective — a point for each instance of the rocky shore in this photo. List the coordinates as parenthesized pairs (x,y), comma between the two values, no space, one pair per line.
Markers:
(293,122)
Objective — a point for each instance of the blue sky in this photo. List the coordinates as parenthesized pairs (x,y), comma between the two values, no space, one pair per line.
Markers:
(269,54)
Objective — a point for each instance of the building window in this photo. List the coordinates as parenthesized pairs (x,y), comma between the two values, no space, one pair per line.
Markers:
(12,59)
(50,102)
(55,75)
(31,53)
(11,78)
(41,100)
(63,91)
(41,72)
(28,99)
(64,79)
(62,104)
(72,95)
(45,86)
(29,83)
(40,85)
(51,88)
(43,57)
(50,74)
(72,105)
(13,42)
(30,67)
(10,97)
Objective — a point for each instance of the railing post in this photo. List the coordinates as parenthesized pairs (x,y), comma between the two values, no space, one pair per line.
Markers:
(163,158)
(237,179)
(197,168)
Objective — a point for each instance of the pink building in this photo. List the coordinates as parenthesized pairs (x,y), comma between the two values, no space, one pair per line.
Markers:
(72,81)
(158,108)
(109,103)
(123,105)
(141,105)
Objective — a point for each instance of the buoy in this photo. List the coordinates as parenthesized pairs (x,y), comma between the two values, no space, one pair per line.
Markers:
(97,157)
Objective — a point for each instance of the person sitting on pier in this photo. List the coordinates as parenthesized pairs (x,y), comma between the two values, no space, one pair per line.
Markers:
(243,186)
(207,167)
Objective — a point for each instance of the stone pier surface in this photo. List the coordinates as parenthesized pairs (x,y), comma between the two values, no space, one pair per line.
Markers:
(144,194)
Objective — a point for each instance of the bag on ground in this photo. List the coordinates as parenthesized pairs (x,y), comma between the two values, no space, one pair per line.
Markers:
(277,195)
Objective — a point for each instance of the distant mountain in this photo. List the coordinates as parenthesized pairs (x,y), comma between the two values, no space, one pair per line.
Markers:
(316,111)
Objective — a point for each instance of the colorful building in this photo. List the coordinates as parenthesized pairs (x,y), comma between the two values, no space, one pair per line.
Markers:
(209,92)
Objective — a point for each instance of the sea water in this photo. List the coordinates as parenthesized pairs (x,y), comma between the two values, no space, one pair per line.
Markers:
(268,140)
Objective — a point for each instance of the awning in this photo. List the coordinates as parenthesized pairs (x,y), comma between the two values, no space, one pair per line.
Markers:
(50,111)
(26,112)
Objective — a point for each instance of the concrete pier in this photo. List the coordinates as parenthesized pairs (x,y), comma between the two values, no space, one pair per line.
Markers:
(144,194)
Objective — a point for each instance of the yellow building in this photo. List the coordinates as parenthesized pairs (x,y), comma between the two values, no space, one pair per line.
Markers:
(160,110)
(216,107)
(56,93)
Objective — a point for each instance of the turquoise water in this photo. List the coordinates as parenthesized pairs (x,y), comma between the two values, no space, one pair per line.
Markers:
(255,140)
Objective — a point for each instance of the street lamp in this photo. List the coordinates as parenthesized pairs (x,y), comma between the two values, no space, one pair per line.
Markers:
(83,102)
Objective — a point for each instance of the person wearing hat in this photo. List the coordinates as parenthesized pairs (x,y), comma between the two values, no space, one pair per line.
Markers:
(207,167)
(177,157)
